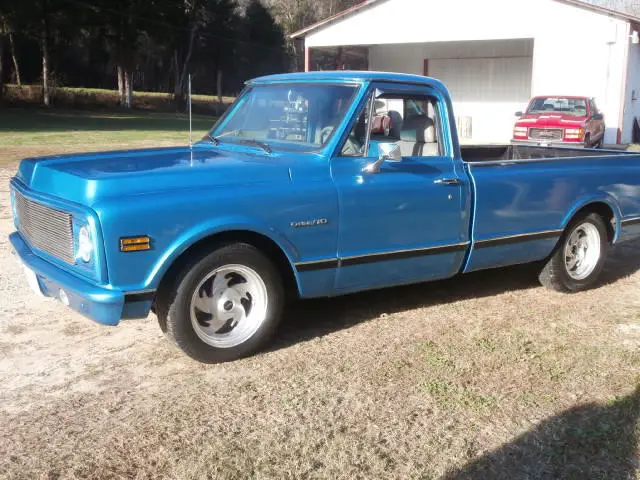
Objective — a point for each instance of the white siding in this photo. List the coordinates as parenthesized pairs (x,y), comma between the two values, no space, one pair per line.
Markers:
(412,21)
(632,94)
(487,90)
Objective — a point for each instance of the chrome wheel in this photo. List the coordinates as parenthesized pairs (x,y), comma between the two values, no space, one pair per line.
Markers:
(228,306)
(582,251)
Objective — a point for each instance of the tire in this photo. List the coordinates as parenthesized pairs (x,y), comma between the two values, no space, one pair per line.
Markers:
(587,142)
(599,143)
(223,306)
(574,267)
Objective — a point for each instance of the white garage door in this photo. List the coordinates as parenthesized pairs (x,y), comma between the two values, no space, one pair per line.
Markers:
(486,93)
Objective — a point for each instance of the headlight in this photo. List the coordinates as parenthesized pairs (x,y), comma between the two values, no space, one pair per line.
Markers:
(87,247)
(84,247)
(574,133)
(520,131)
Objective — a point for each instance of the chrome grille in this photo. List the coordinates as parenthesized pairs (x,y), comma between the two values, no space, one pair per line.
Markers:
(45,228)
(546,134)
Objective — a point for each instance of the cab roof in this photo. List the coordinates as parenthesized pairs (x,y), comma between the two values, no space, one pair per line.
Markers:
(346,76)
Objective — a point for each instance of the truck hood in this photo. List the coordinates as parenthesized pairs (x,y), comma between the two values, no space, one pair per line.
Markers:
(90,177)
(557,120)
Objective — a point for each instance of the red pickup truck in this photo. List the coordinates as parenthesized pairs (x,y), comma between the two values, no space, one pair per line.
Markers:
(560,120)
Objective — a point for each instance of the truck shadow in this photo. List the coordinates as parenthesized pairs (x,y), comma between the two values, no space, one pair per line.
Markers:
(310,319)
(586,442)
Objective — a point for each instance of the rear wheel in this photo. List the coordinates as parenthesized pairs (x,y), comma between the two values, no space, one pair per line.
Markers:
(225,305)
(579,257)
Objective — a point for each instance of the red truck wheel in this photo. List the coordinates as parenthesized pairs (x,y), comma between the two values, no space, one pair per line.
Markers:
(225,305)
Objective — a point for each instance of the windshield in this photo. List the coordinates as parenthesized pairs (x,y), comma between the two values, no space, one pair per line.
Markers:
(299,117)
(566,106)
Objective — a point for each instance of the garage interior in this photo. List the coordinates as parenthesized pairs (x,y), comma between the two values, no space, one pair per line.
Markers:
(488,80)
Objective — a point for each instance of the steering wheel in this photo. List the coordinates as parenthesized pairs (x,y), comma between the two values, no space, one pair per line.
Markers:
(351,147)
(325,133)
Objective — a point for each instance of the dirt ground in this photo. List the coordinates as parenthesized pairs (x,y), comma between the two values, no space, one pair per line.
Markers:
(483,376)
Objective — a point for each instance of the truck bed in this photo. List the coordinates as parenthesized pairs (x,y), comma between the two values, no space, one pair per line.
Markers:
(531,193)
(498,153)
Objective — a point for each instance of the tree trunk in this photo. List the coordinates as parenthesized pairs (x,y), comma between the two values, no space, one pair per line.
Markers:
(14,58)
(177,87)
(181,75)
(121,85)
(219,90)
(44,45)
(46,99)
(219,85)
(1,68)
(128,89)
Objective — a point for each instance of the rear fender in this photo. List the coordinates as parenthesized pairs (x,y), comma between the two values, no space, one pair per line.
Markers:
(602,197)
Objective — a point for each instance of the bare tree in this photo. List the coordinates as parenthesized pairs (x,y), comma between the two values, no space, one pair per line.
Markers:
(44,48)
(1,67)
(14,57)
(8,18)
(121,92)
(293,15)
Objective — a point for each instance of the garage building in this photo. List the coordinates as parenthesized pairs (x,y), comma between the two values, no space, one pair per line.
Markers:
(493,55)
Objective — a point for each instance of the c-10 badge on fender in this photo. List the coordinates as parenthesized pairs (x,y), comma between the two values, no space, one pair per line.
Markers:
(316,222)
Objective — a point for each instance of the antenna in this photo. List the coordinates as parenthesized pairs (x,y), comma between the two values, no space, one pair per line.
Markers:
(190,142)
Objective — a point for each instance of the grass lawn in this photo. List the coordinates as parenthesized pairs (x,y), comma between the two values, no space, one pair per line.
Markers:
(30,132)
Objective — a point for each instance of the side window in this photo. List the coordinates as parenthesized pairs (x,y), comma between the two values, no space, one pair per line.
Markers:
(411,122)
(594,109)
(357,139)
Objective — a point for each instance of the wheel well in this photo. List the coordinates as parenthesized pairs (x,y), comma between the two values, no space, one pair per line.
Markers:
(208,244)
(605,212)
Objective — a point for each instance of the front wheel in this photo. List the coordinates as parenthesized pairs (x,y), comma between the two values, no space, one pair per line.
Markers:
(225,305)
(600,143)
(579,257)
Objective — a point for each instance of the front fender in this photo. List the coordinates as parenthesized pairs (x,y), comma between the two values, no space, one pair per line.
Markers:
(210,228)
(601,197)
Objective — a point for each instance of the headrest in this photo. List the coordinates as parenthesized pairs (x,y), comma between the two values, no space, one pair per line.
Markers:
(396,124)
(419,129)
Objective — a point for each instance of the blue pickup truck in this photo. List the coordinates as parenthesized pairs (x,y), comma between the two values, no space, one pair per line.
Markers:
(293,194)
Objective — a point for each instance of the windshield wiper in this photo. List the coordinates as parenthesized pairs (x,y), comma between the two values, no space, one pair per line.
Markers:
(256,143)
(212,139)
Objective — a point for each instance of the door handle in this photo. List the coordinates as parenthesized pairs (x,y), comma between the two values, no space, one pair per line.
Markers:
(447,181)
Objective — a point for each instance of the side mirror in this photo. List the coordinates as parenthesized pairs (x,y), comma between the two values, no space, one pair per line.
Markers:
(597,116)
(389,152)
(519,114)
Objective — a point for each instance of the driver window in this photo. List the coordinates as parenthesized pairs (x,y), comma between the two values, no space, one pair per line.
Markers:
(411,122)
(354,145)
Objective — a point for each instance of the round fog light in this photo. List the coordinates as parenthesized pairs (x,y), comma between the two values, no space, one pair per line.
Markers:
(62,295)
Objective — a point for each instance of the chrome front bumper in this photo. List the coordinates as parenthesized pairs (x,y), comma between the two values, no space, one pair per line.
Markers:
(97,303)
